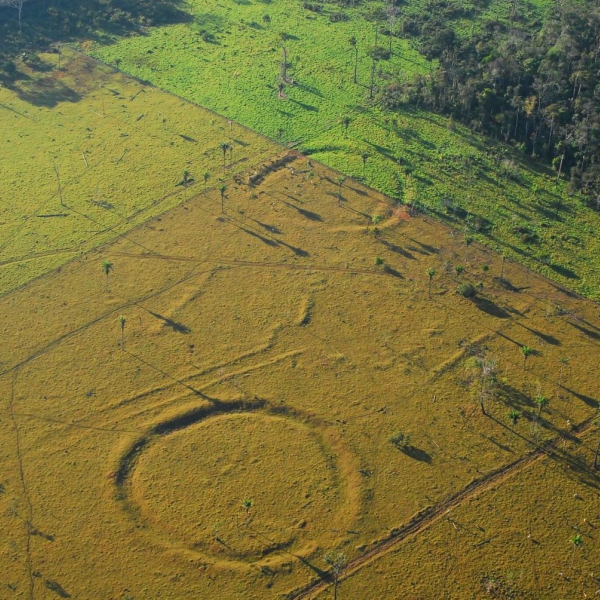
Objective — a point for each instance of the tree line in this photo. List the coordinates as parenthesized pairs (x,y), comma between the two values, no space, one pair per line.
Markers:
(537,87)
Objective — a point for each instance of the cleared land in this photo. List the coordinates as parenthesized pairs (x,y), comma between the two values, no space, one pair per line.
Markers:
(120,148)
(228,58)
(234,426)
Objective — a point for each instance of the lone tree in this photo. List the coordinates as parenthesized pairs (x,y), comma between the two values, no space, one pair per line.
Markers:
(488,369)
(186,181)
(365,157)
(206,177)
(345,122)
(514,416)
(431,273)
(354,43)
(468,242)
(224,147)
(107,267)
(337,562)
(222,190)
(527,352)
(541,402)
(122,321)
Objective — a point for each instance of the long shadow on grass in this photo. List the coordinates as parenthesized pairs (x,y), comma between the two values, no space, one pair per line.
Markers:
(549,339)
(397,249)
(312,216)
(174,325)
(491,308)
(589,332)
(417,453)
(47,92)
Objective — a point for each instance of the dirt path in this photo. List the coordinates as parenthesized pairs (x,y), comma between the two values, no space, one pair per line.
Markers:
(422,521)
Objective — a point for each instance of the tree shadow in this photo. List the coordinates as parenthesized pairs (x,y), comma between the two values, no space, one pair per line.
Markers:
(174,325)
(490,308)
(312,216)
(417,454)
(55,587)
(305,106)
(593,402)
(391,271)
(65,23)
(397,249)
(46,92)
(549,339)
(565,272)
(592,334)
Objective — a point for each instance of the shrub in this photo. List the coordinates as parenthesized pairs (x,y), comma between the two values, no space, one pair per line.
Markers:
(400,440)
(466,290)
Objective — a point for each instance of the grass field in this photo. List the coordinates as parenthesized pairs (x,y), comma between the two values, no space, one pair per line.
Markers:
(506,549)
(229,59)
(235,425)
(120,149)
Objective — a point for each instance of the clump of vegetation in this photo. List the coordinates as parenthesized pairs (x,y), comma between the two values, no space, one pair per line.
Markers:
(467,290)
(401,440)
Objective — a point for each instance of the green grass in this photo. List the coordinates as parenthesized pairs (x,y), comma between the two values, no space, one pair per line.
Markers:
(237,74)
(120,149)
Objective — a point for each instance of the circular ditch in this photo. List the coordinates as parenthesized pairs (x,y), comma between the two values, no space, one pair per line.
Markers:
(240,484)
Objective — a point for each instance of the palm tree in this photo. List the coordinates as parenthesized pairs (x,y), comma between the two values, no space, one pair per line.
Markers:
(526,351)
(345,122)
(107,267)
(122,321)
(206,177)
(364,156)
(541,402)
(468,242)
(514,416)
(186,181)
(223,189)
(224,147)
(431,273)
(354,43)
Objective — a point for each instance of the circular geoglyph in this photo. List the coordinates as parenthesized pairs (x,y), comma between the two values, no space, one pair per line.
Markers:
(242,486)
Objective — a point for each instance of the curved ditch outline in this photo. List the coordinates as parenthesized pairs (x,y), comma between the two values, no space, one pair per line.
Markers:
(337,456)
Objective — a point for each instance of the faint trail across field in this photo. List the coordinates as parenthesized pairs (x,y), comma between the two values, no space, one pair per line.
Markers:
(29,518)
(431,516)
